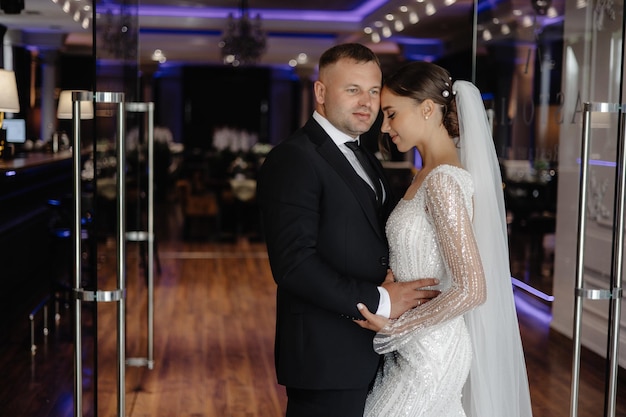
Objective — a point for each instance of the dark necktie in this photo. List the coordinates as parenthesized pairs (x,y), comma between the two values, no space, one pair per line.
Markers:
(368,167)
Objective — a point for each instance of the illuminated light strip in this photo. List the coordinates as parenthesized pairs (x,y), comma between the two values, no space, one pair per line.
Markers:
(355,15)
(532,290)
(599,162)
(523,305)
(209,32)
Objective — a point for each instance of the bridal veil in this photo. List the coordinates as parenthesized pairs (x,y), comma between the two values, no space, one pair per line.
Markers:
(497,385)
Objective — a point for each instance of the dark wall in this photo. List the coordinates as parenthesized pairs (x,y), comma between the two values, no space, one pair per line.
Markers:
(223,96)
(193,101)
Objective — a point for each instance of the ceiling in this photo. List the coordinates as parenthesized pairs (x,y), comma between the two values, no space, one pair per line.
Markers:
(188,31)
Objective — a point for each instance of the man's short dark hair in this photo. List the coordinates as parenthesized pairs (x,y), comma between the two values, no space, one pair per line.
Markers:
(355,51)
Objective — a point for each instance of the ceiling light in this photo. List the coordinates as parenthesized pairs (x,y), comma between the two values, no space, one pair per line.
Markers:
(243,38)
(159,56)
(398,25)
(413,18)
(430,9)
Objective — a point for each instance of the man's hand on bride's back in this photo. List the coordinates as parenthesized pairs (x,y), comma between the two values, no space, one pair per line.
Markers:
(407,295)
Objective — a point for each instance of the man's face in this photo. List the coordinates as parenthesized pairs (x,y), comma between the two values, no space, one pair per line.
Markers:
(348,95)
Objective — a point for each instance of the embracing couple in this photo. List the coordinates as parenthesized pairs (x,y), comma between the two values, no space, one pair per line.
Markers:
(391,307)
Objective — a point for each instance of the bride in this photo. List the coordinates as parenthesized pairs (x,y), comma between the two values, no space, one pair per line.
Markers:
(459,354)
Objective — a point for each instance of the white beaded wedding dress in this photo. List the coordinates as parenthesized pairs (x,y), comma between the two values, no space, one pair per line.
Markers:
(426,374)
(450,357)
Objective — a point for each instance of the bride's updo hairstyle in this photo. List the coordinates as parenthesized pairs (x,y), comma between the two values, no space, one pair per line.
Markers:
(425,80)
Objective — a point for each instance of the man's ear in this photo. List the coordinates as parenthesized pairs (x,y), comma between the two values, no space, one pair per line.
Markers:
(320,91)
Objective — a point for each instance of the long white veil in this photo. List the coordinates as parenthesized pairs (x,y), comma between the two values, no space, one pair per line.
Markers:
(497,385)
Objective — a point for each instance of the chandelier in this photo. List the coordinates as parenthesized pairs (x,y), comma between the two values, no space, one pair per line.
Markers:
(243,41)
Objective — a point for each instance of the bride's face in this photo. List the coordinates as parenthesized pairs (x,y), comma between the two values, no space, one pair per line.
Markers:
(404,120)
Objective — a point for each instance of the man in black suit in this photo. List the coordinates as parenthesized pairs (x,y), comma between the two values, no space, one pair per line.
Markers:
(323,218)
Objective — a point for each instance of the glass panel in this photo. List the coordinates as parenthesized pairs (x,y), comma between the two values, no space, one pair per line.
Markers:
(539,62)
(523,44)
(116,47)
(592,72)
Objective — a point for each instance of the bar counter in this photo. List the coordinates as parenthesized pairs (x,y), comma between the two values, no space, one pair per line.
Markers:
(33,160)
(28,182)
(28,254)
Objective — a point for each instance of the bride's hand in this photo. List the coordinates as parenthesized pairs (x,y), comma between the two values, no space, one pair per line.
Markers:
(372,321)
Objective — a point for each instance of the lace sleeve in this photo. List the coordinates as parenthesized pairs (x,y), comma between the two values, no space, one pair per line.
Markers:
(446,205)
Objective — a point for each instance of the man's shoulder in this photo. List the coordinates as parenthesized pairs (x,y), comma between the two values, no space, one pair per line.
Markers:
(305,136)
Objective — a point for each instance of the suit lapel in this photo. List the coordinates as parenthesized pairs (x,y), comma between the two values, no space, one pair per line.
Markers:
(329,151)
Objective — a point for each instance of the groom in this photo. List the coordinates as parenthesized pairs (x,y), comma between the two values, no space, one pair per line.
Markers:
(323,218)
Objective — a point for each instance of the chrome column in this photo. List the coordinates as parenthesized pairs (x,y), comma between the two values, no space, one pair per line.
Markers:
(147,235)
(117,295)
(614,293)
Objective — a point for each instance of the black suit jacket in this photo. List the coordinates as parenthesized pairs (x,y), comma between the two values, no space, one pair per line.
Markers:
(328,251)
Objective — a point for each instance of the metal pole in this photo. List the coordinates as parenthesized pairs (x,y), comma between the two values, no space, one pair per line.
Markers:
(80,294)
(147,236)
(121,258)
(616,281)
(580,252)
(76,230)
(150,265)
(615,292)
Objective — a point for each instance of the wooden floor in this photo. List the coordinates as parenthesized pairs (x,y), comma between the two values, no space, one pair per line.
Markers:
(214,325)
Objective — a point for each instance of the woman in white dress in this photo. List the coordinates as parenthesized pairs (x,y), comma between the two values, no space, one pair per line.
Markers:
(459,354)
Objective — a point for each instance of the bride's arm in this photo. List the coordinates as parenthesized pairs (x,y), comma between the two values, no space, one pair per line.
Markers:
(454,232)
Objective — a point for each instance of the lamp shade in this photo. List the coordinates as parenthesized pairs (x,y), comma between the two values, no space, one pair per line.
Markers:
(64,110)
(9,101)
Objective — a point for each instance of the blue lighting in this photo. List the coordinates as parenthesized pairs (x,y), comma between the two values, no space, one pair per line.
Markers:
(355,16)
(10,173)
(532,290)
(599,162)
(525,306)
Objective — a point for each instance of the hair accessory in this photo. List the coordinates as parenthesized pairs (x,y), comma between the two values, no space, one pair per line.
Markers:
(445,93)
